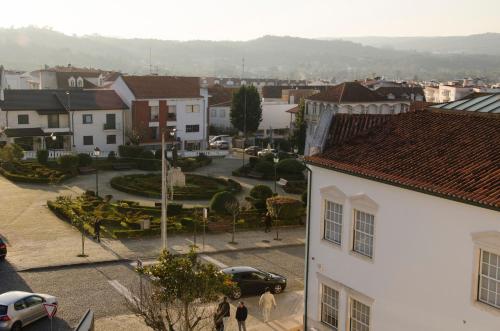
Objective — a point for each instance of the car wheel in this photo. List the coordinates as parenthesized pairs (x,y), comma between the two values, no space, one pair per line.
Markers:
(16,327)
(278,288)
(236,294)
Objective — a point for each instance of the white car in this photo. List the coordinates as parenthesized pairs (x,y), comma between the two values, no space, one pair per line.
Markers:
(267,151)
(18,309)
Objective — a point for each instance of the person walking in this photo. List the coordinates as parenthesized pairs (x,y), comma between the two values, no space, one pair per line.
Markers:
(266,302)
(218,323)
(241,316)
(268,222)
(225,311)
(97,230)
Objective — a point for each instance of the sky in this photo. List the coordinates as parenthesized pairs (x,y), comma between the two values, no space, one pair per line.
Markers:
(244,20)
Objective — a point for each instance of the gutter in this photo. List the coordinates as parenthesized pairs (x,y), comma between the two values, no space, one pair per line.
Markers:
(308,231)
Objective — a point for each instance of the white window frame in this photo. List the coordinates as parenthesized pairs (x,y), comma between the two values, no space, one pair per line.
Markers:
(336,308)
(91,119)
(195,108)
(362,202)
(335,195)
(363,218)
(337,213)
(79,82)
(488,241)
(154,110)
(489,262)
(350,302)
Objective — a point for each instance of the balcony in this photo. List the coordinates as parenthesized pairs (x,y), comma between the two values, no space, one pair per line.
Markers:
(171,117)
(109,126)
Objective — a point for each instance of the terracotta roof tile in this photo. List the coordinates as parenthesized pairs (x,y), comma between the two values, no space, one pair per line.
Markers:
(449,154)
(155,87)
(220,96)
(348,92)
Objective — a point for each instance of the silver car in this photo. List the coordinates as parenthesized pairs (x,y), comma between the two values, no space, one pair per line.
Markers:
(18,309)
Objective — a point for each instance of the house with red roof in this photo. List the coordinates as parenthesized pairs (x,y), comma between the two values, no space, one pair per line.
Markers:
(404,221)
(171,104)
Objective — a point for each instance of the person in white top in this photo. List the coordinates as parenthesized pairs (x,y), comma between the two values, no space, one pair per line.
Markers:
(266,302)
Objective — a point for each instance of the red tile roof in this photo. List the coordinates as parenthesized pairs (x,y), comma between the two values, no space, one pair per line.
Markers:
(348,92)
(220,96)
(156,87)
(449,154)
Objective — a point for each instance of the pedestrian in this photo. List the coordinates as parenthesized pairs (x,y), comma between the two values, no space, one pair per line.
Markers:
(97,230)
(268,222)
(266,302)
(218,323)
(241,316)
(225,311)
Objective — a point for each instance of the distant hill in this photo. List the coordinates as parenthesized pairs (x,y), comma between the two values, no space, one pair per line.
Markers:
(487,43)
(269,56)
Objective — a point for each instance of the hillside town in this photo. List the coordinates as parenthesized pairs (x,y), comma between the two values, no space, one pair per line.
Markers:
(267,166)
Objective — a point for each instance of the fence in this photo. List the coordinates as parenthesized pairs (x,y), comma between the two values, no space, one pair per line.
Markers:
(54,154)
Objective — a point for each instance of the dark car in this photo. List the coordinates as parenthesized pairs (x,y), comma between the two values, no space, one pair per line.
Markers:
(3,249)
(254,281)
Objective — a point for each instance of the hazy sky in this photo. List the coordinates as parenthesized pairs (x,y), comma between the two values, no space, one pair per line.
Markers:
(243,20)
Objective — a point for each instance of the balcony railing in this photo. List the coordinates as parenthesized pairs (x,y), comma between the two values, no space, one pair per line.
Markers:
(109,126)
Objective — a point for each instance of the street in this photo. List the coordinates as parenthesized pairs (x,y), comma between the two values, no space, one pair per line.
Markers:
(102,287)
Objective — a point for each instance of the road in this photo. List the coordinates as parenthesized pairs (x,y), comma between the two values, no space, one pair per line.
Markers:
(102,287)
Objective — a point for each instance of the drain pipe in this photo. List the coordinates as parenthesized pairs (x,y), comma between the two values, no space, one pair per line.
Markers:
(308,231)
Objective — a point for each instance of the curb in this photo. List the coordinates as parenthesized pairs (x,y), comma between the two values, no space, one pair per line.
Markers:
(128,260)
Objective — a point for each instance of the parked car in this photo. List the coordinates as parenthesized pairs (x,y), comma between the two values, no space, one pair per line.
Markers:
(267,151)
(252,150)
(18,309)
(254,281)
(220,144)
(223,137)
(3,249)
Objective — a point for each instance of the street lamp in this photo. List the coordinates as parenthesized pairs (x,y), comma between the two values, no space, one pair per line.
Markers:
(53,138)
(97,153)
(276,160)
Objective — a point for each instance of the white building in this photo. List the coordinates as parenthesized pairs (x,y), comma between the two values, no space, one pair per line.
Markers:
(219,107)
(77,121)
(275,120)
(345,98)
(446,92)
(159,103)
(404,224)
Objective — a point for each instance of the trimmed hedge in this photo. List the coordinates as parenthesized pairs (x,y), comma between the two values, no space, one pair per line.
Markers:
(84,160)
(285,208)
(42,156)
(258,196)
(31,172)
(219,201)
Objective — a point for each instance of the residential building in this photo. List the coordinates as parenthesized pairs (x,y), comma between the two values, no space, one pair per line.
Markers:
(404,223)
(80,120)
(345,98)
(219,107)
(16,79)
(71,77)
(446,92)
(275,120)
(164,103)
(259,83)
(411,93)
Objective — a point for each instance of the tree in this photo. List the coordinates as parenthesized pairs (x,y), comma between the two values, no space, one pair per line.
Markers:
(219,201)
(11,153)
(253,109)
(233,207)
(283,208)
(259,195)
(300,128)
(181,293)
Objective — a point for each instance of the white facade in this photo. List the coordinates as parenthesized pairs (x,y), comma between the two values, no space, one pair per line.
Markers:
(423,274)
(446,93)
(101,133)
(220,116)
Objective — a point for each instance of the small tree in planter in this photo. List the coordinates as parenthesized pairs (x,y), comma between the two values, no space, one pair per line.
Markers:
(284,208)
(233,207)
(258,196)
(42,156)
(219,201)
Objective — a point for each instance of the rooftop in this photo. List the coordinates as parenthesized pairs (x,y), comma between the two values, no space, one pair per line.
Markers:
(348,92)
(454,155)
(476,102)
(155,87)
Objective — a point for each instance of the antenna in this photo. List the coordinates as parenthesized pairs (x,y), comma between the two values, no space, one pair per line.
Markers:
(150,66)
(242,67)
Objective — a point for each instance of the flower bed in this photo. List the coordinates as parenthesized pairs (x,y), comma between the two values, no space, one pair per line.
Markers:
(31,172)
(118,219)
(197,187)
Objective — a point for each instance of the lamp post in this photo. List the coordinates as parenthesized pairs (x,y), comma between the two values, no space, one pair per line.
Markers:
(276,160)
(53,138)
(97,153)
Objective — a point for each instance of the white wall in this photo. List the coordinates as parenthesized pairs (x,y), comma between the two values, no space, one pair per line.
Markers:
(220,117)
(188,118)
(96,129)
(35,120)
(422,273)
(127,96)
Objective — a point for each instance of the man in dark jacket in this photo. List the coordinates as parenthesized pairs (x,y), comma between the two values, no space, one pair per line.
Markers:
(241,316)
(268,221)
(224,310)
(97,230)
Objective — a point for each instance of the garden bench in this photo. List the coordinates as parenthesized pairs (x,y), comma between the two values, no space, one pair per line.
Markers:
(282,182)
(121,166)
(86,170)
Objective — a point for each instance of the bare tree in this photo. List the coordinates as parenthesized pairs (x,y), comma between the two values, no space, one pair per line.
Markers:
(233,207)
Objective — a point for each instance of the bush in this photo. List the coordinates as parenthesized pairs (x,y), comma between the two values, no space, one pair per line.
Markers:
(285,208)
(253,161)
(130,151)
(112,156)
(258,196)
(68,163)
(303,197)
(145,162)
(42,156)
(266,168)
(289,166)
(219,201)
(84,160)
(11,152)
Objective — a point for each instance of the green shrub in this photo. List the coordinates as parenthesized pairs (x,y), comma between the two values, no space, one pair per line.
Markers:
(219,201)
(68,163)
(289,166)
(11,152)
(259,195)
(285,208)
(303,197)
(84,160)
(266,168)
(145,162)
(130,151)
(42,156)
(112,156)
(253,161)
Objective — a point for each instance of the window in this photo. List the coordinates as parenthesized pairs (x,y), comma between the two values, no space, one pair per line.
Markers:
(193,128)
(363,233)
(33,301)
(213,112)
(360,316)
(19,305)
(154,113)
(79,82)
(53,120)
(110,122)
(222,113)
(23,119)
(87,118)
(111,139)
(172,113)
(72,82)
(192,108)
(154,133)
(88,140)
(330,307)
(489,279)
(333,222)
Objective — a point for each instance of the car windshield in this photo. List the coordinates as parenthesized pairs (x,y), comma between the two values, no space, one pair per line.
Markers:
(3,310)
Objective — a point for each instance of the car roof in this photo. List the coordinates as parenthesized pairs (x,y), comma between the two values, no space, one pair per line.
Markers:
(8,298)
(237,270)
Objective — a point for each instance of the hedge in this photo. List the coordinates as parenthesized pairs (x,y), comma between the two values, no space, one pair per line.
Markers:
(38,174)
(285,208)
(219,201)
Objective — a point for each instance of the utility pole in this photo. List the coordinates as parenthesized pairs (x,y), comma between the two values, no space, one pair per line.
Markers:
(164,197)
(244,115)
